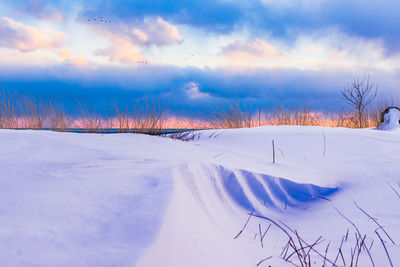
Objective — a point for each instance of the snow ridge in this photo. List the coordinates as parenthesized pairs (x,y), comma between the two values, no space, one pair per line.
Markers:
(247,190)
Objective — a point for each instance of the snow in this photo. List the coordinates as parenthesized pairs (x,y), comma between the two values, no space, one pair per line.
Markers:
(135,200)
(391,119)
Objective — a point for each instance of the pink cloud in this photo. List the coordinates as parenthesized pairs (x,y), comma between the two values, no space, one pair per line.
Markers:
(76,61)
(126,39)
(155,31)
(26,38)
(249,49)
(69,59)
(121,51)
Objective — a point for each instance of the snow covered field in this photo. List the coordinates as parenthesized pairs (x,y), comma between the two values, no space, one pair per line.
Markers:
(135,200)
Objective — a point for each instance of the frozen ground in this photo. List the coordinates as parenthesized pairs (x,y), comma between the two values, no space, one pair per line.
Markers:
(136,200)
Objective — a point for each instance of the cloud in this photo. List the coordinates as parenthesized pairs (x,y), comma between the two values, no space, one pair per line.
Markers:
(26,38)
(328,49)
(280,18)
(246,52)
(192,90)
(76,61)
(256,48)
(213,15)
(121,51)
(41,58)
(155,31)
(38,58)
(365,19)
(69,59)
(150,31)
(125,40)
(42,10)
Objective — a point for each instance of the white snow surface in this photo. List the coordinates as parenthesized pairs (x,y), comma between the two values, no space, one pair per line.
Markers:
(391,120)
(135,200)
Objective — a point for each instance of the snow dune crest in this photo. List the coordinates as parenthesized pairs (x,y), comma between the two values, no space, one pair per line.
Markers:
(209,203)
(248,190)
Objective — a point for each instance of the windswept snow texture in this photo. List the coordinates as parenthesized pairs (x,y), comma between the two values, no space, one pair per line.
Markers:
(252,191)
(135,200)
(67,203)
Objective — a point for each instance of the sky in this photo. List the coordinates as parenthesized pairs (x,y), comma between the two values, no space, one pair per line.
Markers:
(195,54)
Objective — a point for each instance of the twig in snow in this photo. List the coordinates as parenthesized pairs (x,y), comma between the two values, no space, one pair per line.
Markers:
(370,246)
(394,190)
(262,235)
(314,244)
(375,221)
(261,261)
(211,135)
(340,250)
(285,249)
(281,153)
(322,197)
(304,254)
(347,234)
(359,234)
(273,151)
(360,247)
(218,155)
(215,136)
(384,246)
(316,251)
(347,219)
(248,219)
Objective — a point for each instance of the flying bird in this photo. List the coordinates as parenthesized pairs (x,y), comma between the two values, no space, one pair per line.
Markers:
(99,19)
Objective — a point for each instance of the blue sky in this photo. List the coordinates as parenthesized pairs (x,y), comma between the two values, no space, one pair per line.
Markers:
(195,53)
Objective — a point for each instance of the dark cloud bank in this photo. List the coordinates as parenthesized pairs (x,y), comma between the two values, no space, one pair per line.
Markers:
(99,88)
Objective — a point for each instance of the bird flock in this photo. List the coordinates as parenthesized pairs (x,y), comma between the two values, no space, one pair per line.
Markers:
(99,19)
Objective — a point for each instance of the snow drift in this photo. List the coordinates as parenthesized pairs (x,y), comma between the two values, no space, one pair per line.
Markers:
(247,190)
(210,201)
(135,200)
(391,119)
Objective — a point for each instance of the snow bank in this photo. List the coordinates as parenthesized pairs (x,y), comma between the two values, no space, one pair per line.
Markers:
(135,200)
(248,190)
(208,205)
(391,119)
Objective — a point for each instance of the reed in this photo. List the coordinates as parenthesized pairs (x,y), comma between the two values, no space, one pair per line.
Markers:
(23,111)
(230,115)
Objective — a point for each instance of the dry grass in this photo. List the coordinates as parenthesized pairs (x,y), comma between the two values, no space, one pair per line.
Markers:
(22,111)
(302,115)
(144,117)
(352,248)
(90,120)
(8,112)
(230,115)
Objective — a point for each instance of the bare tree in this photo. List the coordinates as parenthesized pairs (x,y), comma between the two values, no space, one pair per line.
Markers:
(359,94)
